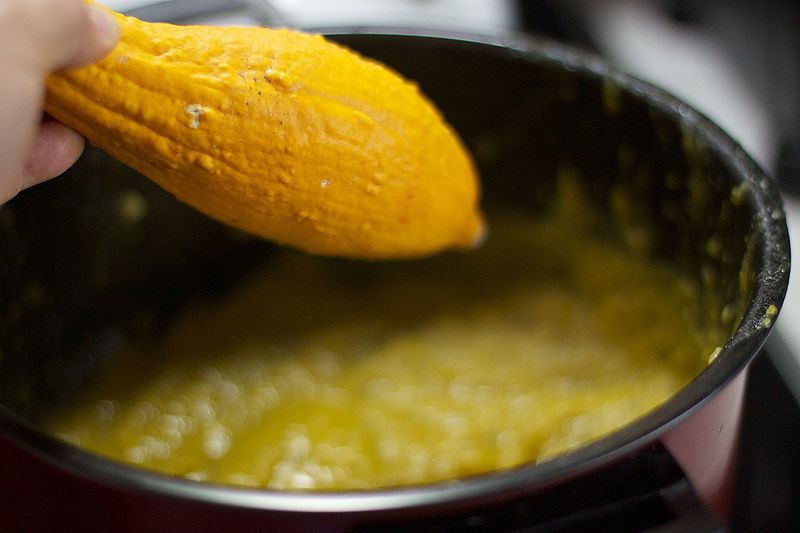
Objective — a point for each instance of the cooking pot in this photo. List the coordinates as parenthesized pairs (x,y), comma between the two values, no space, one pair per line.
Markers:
(100,255)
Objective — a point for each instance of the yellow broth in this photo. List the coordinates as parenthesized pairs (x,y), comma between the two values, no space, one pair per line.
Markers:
(325,375)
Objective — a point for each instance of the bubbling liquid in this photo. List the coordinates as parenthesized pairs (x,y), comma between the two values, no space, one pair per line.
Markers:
(329,375)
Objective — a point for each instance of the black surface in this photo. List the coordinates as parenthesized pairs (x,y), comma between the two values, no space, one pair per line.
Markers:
(768,480)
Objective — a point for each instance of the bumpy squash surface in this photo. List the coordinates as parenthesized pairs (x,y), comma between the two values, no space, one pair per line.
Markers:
(279,133)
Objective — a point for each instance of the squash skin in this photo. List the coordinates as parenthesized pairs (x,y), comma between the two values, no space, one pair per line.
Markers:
(281,134)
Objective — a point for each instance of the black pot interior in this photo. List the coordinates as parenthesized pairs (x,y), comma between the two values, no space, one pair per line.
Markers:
(101,254)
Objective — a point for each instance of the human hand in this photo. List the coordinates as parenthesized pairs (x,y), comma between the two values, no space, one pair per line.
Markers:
(38,37)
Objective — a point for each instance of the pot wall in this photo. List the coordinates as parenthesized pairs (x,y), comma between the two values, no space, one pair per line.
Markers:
(80,274)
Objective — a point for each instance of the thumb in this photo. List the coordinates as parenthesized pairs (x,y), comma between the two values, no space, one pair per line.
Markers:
(48,35)
(102,34)
(85,34)
(36,38)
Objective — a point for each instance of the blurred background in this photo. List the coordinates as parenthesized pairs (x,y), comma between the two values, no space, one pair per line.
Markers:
(737,62)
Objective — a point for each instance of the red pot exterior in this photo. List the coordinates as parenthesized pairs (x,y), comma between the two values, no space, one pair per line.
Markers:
(705,445)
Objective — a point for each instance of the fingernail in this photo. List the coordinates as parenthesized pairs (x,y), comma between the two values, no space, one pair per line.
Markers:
(105,25)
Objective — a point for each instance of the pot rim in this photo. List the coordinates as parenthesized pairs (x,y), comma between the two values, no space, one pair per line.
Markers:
(769,289)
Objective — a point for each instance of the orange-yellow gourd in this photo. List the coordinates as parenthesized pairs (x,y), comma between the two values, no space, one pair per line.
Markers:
(279,133)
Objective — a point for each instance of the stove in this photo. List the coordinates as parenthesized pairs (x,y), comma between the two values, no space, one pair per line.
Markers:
(660,499)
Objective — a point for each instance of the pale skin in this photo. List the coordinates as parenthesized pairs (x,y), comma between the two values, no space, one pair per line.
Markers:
(38,37)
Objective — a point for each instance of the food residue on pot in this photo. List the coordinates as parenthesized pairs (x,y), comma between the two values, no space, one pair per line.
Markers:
(327,375)
(769,316)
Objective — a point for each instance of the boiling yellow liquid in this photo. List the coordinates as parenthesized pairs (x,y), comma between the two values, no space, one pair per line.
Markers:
(321,375)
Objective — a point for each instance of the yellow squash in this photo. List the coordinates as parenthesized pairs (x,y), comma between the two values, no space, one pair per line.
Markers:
(279,133)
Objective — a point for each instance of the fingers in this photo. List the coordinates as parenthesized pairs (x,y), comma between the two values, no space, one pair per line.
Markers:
(49,35)
(20,115)
(55,149)
(38,37)
(102,34)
